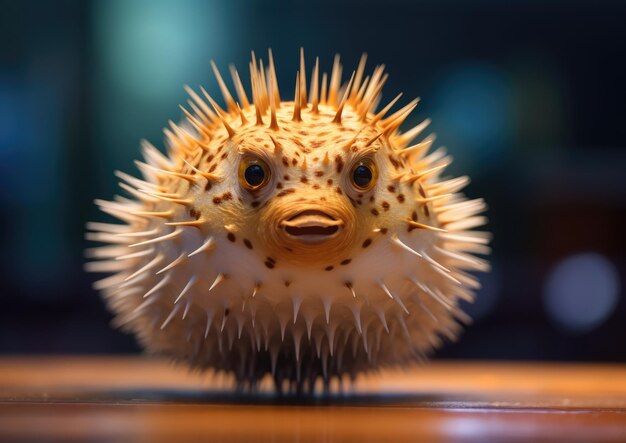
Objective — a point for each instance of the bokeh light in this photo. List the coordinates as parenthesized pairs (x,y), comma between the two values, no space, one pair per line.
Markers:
(581,292)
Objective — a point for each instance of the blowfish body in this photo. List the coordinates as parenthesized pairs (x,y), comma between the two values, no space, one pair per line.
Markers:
(303,238)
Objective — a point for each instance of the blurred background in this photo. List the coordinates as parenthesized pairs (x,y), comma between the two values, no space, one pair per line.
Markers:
(529,96)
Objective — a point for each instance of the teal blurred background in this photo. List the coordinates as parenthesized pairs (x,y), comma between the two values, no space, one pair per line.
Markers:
(529,96)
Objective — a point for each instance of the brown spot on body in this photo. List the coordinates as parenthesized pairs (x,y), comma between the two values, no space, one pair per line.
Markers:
(304,179)
(285,161)
(287,283)
(329,268)
(316,186)
(329,182)
(339,191)
(394,161)
(414,216)
(339,161)
(391,188)
(208,185)
(248,243)
(255,204)
(294,161)
(400,198)
(193,213)
(426,211)
(319,173)
(217,200)
(374,211)
(269,264)
(367,242)
(286,177)
(385,205)
(213,167)
(230,236)
(279,185)
(285,192)
(346,261)
(383,231)
(421,191)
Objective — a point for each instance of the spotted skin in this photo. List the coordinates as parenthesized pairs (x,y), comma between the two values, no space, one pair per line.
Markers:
(307,276)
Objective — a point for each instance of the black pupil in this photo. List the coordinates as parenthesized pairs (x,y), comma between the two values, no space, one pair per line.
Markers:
(255,174)
(362,176)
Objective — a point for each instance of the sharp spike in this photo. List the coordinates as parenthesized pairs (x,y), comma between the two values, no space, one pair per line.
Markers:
(423,226)
(356,313)
(208,244)
(153,155)
(220,113)
(431,171)
(434,198)
(323,93)
(335,81)
(164,281)
(176,261)
(370,101)
(407,137)
(273,79)
(303,99)
(241,92)
(315,87)
(187,287)
(418,150)
(273,121)
(278,148)
(228,98)
(160,214)
(172,235)
(326,160)
(357,79)
(297,117)
(327,302)
(385,110)
(153,169)
(351,288)
(392,123)
(171,316)
(297,302)
(397,299)
(380,313)
(219,279)
(194,121)
(401,244)
(337,118)
(373,139)
(244,121)
(206,110)
(207,175)
(192,223)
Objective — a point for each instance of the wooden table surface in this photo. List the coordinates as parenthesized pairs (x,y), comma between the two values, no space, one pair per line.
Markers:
(102,399)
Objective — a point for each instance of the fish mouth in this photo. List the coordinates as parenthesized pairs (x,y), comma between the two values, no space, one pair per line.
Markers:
(312,226)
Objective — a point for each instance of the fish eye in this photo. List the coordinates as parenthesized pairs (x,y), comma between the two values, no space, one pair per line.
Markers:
(364,175)
(253,174)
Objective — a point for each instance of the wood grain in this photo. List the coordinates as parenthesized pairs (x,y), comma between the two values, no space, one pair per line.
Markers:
(143,399)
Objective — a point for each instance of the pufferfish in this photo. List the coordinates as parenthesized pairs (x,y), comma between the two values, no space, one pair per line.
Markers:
(306,239)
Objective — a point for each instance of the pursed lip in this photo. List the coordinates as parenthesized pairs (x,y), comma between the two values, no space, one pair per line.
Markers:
(311,226)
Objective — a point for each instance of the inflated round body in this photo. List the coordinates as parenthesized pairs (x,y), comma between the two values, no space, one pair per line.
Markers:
(304,238)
